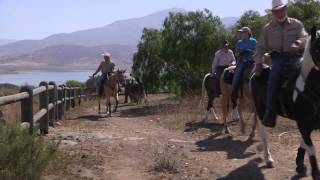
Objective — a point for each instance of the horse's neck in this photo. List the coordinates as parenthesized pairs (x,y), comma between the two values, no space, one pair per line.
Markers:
(307,62)
(112,81)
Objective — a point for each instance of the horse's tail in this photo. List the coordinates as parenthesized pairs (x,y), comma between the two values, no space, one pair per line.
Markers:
(203,91)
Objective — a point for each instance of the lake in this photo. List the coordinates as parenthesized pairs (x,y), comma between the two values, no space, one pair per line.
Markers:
(35,77)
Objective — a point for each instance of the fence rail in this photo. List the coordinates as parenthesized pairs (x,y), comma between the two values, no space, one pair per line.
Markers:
(54,101)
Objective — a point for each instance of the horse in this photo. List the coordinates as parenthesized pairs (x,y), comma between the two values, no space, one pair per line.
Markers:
(135,91)
(111,89)
(209,89)
(299,100)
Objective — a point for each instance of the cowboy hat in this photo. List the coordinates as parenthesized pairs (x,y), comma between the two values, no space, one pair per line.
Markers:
(106,54)
(276,5)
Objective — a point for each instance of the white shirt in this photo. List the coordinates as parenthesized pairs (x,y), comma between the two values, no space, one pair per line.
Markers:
(222,58)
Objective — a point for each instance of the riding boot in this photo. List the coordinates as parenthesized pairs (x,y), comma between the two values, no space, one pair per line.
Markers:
(234,99)
(269,119)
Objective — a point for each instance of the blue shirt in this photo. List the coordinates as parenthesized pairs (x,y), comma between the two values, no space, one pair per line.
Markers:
(246,46)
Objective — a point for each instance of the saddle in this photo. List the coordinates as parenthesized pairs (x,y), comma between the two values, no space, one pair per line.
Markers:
(229,73)
(287,85)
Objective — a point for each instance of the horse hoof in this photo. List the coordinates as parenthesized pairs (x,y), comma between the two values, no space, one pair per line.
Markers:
(227,130)
(301,171)
(316,176)
(269,164)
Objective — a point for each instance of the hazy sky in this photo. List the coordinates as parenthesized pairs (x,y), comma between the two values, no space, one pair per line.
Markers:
(34,19)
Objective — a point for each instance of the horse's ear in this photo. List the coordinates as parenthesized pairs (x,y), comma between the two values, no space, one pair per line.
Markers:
(313,32)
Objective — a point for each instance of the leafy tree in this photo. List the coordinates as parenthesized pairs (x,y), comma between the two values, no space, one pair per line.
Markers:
(74,83)
(189,41)
(307,11)
(147,62)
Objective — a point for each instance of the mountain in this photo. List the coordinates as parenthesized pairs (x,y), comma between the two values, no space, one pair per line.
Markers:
(122,32)
(71,57)
(6,41)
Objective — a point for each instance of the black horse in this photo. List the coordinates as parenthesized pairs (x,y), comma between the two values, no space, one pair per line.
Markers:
(298,99)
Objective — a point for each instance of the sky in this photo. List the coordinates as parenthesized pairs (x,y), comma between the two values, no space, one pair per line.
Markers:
(36,19)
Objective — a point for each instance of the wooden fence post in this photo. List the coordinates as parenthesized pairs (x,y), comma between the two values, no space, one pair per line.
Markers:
(60,106)
(43,104)
(27,107)
(53,100)
(73,98)
(80,95)
(63,99)
(68,101)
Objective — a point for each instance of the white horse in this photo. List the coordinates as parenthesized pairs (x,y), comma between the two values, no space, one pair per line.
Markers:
(302,101)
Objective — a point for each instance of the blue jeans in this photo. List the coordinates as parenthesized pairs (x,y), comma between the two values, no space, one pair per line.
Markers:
(101,80)
(278,63)
(241,67)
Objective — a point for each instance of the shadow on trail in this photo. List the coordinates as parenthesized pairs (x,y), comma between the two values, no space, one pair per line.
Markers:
(235,149)
(138,111)
(249,171)
(90,117)
(213,127)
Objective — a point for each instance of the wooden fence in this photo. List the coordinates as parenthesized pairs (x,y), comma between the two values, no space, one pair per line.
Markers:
(54,101)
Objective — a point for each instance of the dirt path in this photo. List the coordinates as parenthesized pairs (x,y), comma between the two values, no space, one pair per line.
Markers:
(154,142)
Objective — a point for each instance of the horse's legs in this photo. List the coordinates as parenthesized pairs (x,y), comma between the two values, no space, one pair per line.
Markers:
(225,110)
(254,126)
(240,109)
(306,133)
(99,101)
(301,169)
(210,105)
(264,138)
(117,103)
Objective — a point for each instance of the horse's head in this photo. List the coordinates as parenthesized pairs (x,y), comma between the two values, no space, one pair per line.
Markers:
(315,46)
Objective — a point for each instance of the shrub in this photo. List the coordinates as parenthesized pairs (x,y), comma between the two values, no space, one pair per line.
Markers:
(23,156)
(74,83)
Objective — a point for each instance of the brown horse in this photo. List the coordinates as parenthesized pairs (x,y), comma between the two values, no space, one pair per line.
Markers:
(244,100)
(111,89)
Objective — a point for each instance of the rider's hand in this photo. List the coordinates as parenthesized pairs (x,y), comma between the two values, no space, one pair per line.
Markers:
(258,69)
(294,48)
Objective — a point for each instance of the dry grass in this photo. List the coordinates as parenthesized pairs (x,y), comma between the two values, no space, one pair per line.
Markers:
(166,160)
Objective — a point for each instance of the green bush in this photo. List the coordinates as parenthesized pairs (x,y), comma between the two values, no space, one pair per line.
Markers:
(23,156)
(74,83)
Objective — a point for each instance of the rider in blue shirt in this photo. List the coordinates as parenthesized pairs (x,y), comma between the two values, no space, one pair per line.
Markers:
(245,49)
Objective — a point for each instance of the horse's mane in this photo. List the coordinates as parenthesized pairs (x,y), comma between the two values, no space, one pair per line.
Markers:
(307,62)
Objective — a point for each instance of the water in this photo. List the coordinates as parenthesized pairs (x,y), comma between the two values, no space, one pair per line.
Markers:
(35,77)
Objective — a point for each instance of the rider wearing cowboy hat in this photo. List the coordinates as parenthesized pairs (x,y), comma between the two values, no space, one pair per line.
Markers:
(106,67)
(282,38)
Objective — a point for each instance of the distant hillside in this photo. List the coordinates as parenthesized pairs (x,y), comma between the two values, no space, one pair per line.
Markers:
(120,32)
(124,32)
(70,56)
(6,41)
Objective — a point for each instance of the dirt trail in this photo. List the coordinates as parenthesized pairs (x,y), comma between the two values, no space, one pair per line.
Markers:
(130,144)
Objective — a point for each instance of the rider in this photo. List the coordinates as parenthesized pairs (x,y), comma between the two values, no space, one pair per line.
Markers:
(222,59)
(282,38)
(245,51)
(106,67)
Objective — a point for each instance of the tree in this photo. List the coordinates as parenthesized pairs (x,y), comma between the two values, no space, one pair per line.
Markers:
(307,11)
(147,62)
(189,41)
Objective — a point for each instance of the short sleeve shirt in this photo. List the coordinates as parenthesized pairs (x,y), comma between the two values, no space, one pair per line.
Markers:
(245,45)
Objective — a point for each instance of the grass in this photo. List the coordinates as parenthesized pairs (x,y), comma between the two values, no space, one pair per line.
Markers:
(166,160)
(23,156)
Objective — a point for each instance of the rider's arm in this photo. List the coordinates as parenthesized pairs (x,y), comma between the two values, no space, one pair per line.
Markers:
(99,68)
(261,47)
(302,37)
